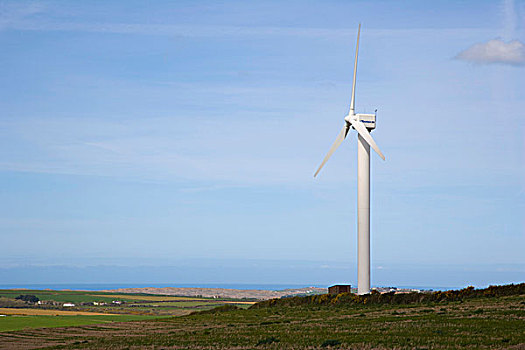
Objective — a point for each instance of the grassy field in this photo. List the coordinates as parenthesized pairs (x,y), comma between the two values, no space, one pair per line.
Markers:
(199,303)
(85,296)
(133,297)
(131,303)
(23,315)
(489,322)
(12,323)
(44,312)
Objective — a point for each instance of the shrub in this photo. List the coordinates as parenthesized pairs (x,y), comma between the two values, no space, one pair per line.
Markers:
(330,342)
(223,308)
(396,299)
(28,298)
(267,340)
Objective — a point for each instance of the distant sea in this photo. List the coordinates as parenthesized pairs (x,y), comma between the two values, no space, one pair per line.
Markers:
(105,286)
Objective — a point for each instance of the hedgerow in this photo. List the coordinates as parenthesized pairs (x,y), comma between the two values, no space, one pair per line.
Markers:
(376,298)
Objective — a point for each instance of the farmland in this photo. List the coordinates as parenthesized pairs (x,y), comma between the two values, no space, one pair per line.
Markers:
(466,319)
(13,323)
(44,312)
(94,307)
(86,296)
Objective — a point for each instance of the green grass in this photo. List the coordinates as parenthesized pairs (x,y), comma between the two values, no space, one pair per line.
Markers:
(186,304)
(90,296)
(467,319)
(134,303)
(180,304)
(13,323)
(60,296)
(439,325)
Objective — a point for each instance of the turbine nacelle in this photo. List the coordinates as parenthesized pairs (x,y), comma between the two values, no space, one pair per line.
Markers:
(369,120)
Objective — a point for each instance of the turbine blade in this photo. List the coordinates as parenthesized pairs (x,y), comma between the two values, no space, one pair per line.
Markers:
(337,142)
(352,102)
(362,130)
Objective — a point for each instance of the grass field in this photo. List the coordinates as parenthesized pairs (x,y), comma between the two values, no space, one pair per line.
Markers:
(481,323)
(84,296)
(183,303)
(12,323)
(44,312)
(61,296)
(198,303)
(26,315)
(144,297)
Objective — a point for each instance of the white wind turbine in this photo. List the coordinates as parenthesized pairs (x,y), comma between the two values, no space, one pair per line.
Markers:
(362,123)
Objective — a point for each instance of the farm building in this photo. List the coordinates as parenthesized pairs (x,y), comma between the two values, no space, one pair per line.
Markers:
(339,288)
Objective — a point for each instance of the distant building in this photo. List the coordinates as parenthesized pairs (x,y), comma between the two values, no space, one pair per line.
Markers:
(384,290)
(340,288)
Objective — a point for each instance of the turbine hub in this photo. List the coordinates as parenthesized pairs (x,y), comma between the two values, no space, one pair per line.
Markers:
(351,118)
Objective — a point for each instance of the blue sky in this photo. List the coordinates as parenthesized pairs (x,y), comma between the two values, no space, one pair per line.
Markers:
(156,134)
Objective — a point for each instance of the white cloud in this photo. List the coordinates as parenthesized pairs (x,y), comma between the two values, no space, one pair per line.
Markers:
(495,51)
(13,13)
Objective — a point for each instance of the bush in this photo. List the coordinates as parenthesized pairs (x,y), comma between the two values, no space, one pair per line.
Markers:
(28,298)
(267,340)
(223,308)
(330,342)
(9,302)
(396,299)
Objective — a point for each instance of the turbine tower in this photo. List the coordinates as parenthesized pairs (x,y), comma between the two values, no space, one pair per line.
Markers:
(363,124)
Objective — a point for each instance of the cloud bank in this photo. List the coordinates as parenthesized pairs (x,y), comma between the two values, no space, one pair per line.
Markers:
(495,51)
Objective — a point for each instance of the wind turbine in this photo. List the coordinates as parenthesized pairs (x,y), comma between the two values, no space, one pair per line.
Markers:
(363,124)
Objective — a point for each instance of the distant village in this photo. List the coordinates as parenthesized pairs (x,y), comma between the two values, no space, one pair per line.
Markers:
(94,303)
(346,288)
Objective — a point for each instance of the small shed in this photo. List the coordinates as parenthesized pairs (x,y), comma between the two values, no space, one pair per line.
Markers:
(339,288)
